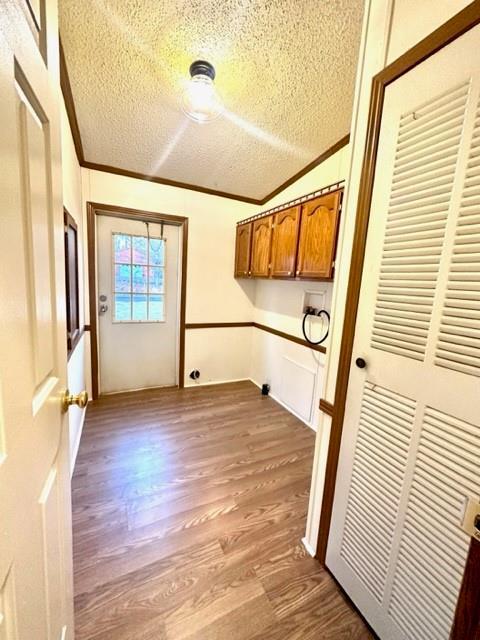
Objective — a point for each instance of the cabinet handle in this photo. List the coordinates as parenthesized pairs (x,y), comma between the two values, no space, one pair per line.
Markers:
(289,273)
(298,272)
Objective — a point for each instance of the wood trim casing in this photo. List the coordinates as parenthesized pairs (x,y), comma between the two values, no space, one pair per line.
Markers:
(73,337)
(452,29)
(467,615)
(263,327)
(287,336)
(94,209)
(326,407)
(75,129)
(217,325)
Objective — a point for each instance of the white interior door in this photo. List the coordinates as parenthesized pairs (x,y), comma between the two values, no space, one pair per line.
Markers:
(138,305)
(35,520)
(410,452)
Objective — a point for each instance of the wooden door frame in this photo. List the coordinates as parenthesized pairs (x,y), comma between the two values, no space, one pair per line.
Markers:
(441,37)
(95,209)
(444,35)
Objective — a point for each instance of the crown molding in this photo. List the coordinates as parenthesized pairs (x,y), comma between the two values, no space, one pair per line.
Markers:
(165,181)
(70,105)
(77,141)
(311,165)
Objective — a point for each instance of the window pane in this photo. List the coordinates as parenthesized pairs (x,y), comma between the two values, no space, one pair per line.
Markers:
(122,307)
(139,307)
(139,250)
(155,309)
(157,251)
(156,280)
(139,279)
(122,246)
(122,277)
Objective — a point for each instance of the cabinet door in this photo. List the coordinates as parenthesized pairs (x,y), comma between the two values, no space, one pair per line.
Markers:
(262,235)
(284,242)
(243,250)
(318,236)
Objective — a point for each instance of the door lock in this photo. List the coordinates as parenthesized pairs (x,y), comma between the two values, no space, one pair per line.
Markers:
(471,518)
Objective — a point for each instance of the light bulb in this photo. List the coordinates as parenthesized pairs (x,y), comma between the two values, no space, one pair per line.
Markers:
(200,99)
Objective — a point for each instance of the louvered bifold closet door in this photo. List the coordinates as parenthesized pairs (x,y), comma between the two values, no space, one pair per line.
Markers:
(425,163)
(410,453)
(459,340)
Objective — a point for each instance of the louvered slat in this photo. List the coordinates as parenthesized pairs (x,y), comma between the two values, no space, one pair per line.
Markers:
(381,452)
(424,171)
(433,547)
(458,346)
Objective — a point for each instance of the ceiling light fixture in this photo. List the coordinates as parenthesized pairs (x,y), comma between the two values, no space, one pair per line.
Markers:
(200,99)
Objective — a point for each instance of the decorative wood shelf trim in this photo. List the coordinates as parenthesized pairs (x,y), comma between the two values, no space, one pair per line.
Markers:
(263,327)
(335,186)
(326,407)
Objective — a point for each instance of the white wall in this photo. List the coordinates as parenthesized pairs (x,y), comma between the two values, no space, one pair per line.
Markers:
(390,28)
(213,295)
(279,304)
(72,200)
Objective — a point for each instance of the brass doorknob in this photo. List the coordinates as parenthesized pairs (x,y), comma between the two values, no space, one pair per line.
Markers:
(80,399)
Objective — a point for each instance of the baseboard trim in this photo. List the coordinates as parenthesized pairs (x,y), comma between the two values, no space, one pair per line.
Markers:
(285,406)
(310,550)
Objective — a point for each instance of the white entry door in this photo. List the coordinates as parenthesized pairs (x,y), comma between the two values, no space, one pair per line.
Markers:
(35,520)
(410,452)
(138,305)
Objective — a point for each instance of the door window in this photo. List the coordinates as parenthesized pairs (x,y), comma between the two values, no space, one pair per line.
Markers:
(138,278)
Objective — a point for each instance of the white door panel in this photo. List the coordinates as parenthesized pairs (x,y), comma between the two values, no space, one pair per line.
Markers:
(35,524)
(411,447)
(133,354)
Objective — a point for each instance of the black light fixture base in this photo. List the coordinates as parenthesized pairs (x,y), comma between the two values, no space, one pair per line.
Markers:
(202,67)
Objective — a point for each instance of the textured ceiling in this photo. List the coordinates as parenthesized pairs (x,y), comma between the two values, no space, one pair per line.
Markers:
(285,73)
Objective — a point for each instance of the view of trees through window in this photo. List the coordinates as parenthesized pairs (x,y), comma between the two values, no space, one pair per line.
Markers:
(138,278)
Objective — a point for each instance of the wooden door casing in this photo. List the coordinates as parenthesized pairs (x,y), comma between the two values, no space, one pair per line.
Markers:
(286,225)
(243,248)
(318,236)
(467,615)
(261,245)
(420,262)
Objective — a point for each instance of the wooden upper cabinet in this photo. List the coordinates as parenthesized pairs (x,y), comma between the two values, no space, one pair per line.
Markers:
(284,242)
(262,236)
(243,250)
(318,236)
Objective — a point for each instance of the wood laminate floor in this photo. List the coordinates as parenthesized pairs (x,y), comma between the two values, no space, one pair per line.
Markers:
(188,511)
